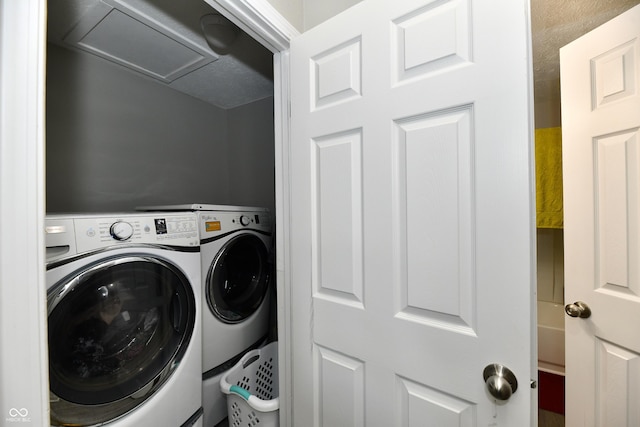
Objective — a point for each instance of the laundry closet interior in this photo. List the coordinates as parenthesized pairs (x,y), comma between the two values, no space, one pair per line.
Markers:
(154,104)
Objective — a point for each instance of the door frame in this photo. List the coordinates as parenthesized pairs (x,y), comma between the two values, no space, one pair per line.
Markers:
(24,391)
(261,21)
(22,199)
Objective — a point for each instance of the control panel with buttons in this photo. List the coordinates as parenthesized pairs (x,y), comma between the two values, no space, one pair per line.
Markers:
(94,232)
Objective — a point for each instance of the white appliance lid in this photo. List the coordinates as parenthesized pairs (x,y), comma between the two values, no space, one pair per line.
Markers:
(201,207)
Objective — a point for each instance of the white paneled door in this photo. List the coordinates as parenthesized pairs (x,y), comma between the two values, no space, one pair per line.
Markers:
(600,78)
(412,229)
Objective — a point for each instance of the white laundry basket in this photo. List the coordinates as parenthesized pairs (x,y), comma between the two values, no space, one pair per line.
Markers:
(251,387)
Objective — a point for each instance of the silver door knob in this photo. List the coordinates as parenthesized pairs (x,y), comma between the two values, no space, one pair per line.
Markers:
(578,309)
(500,381)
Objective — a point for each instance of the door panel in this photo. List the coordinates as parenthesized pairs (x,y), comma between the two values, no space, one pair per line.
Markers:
(601,167)
(438,145)
(337,188)
(412,248)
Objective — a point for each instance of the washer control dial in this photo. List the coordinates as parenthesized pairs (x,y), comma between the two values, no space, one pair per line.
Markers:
(245,220)
(121,230)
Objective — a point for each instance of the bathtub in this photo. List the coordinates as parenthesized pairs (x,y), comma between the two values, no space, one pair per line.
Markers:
(551,385)
(551,337)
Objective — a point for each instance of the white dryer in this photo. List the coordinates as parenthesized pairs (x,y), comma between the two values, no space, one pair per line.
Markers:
(236,245)
(124,323)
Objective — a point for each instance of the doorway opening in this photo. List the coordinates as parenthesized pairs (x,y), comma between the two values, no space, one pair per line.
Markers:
(553,26)
(144,109)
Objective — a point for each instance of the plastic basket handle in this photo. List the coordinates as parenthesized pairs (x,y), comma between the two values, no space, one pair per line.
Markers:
(250,360)
(240,392)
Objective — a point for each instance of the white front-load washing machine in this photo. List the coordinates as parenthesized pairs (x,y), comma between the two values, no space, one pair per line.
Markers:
(236,245)
(124,324)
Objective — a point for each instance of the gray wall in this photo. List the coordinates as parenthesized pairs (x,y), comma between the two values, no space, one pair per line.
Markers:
(251,153)
(116,140)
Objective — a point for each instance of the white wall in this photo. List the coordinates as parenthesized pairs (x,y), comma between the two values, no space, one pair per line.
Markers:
(306,14)
(550,265)
(316,12)
(117,140)
(291,10)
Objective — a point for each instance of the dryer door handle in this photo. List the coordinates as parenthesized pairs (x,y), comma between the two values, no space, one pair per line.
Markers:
(176,312)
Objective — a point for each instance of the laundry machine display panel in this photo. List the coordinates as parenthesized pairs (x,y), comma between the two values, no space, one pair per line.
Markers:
(92,233)
(221,223)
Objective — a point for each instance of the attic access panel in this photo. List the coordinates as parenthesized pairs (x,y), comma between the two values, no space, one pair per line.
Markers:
(123,35)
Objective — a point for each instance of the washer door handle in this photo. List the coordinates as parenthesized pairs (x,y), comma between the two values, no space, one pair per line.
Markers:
(176,312)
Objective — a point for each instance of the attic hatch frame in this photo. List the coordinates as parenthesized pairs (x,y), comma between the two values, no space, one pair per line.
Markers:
(262,22)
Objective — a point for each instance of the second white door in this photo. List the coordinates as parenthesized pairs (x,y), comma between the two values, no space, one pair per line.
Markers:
(600,79)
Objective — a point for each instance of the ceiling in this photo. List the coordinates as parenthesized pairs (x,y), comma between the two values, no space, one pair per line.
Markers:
(163,40)
(245,73)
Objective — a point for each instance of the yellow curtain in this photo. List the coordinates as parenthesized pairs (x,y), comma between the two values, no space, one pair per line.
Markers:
(549,177)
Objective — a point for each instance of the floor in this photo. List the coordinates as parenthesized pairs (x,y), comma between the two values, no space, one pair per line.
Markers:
(545,419)
(550,419)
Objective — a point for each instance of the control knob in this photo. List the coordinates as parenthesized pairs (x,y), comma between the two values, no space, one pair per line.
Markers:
(121,230)
(244,220)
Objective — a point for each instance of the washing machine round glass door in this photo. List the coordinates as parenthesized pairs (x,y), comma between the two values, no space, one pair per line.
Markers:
(117,329)
(238,278)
